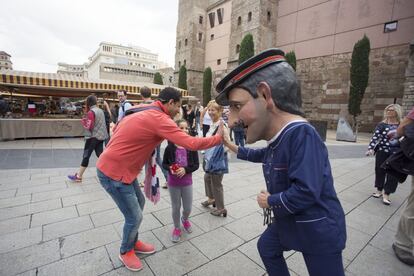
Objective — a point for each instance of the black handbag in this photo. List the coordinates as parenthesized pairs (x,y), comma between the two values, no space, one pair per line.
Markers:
(407,146)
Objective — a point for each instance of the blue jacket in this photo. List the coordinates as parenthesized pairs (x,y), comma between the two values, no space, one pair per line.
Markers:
(308,214)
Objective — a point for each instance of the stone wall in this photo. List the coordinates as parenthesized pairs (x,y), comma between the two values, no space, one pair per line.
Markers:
(262,29)
(408,98)
(325,85)
(192,54)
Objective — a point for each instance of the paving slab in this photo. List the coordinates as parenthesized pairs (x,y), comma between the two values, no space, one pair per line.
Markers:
(12,263)
(217,242)
(250,250)
(56,215)
(77,243)
(95,206)
(27,209)
(232,263)
(14,225)
(93,262)
(373,261)
(248,227)
(67,227)
(177,260)
(20,239)
(208,222)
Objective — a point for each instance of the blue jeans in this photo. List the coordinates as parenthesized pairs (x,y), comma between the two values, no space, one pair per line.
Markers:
(131,201)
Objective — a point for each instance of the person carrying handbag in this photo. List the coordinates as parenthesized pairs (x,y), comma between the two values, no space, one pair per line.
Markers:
(383,145)
(214,156)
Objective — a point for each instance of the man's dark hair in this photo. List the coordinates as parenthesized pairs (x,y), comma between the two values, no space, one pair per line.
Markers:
(91,101)
(122,91)
(169,93)
(145,92)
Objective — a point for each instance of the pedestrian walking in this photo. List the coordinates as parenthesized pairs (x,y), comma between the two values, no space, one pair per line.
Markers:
(383,144)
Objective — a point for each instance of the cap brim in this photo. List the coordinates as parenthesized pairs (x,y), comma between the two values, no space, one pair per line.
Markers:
(222,98)
(245,70)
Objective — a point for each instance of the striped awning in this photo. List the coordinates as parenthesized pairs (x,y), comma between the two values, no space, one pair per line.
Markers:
(33,82)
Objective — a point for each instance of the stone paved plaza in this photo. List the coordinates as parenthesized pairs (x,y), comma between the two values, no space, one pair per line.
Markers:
(49,226)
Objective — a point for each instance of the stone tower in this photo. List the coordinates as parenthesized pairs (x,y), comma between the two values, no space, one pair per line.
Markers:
(257,17)
(190,44)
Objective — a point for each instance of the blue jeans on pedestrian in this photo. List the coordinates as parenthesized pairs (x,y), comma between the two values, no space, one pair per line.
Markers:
(131,201)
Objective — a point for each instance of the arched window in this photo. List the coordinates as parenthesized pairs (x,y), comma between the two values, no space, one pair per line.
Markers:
(179,64)
(269,16)
(239,21)
(238,48)
(185,62)
(186,42)
(249,16)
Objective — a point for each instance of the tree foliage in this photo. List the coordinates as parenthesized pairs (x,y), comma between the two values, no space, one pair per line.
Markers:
(246,48)
(291,59)
(207,78)
(158,78)
(359,76)
(182,78)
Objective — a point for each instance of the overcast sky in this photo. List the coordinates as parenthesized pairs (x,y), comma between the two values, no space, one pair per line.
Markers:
(39,34)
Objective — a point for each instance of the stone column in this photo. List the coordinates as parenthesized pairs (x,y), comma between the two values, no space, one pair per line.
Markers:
(408,98)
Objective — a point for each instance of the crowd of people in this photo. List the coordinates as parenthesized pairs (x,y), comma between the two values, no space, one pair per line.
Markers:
(258,100)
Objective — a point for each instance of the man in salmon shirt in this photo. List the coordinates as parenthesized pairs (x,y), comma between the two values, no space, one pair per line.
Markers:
(131,145)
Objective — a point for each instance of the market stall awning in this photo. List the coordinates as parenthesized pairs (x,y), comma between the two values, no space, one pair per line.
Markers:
(60,85)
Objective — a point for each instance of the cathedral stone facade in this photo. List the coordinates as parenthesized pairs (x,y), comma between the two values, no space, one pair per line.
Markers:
(322,34)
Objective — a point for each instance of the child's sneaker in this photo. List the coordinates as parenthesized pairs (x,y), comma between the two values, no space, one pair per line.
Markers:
(131,261)
(75,178)
(176,235)
(144,248)
(186,225)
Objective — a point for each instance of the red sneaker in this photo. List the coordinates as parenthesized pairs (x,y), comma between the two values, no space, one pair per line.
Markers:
(144,248)
(131,261)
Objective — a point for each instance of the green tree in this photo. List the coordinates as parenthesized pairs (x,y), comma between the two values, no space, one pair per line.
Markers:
(182,78)
(359,78)
(246,48)
(291,59)
(158,78)
(207,78)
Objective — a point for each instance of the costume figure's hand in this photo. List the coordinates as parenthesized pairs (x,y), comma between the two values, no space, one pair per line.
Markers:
(262,199)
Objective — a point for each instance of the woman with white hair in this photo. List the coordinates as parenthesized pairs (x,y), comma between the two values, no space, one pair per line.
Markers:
(383,144)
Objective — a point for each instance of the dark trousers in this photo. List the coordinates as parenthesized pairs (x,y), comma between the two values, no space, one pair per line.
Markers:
(91,144)
(239,138)
(384,181)
(206,128)
(271,252)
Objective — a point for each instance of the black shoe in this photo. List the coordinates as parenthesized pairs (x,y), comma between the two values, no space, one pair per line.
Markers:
(403,255)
